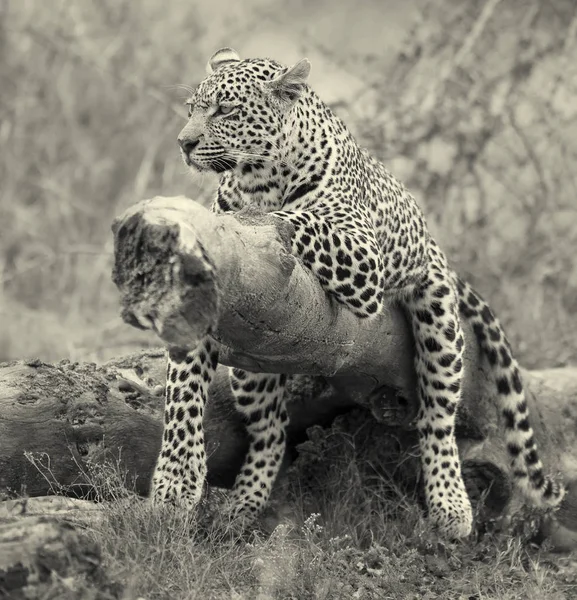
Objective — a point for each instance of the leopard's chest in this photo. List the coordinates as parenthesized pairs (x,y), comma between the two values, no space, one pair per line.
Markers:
(261,192)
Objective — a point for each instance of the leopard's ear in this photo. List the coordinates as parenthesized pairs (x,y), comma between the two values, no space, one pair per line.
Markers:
(221,57)
(288,86)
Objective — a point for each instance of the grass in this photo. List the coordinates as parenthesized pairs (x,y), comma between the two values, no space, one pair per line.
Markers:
(363,542)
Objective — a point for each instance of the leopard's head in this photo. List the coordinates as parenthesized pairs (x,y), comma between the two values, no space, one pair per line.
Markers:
(237,113)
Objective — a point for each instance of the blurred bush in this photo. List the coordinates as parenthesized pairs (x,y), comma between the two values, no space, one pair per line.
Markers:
(479,117)
(88,123)
(476,113)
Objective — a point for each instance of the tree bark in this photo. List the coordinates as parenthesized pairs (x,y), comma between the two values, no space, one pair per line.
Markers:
(43,554)
(187,271)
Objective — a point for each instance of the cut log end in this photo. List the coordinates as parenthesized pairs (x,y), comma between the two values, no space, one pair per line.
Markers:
(165,278)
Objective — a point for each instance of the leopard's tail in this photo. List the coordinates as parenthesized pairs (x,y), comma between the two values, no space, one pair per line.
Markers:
(527,468)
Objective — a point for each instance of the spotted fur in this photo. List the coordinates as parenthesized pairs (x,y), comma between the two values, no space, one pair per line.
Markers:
(277,146)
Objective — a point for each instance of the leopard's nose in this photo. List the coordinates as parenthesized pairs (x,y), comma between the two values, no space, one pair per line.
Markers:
(188,144)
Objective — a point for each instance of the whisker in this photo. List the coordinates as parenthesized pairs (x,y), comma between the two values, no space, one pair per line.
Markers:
(182,86)
(219,162)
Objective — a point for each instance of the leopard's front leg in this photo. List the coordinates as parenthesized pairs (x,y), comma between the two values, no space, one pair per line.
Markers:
(181,467)
(344,256)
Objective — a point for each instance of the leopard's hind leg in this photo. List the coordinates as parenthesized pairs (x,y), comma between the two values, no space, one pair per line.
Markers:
(433,309)
(260,399)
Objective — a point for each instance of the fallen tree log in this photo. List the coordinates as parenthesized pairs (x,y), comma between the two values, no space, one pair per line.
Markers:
(44,554)
(189,271)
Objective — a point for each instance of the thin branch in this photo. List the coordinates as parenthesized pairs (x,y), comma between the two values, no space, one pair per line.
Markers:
(68,49)
(464,50)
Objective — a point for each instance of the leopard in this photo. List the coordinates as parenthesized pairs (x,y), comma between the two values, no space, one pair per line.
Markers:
(278,148)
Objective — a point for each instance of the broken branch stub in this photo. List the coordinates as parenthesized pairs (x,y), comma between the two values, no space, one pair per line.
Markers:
(166,280)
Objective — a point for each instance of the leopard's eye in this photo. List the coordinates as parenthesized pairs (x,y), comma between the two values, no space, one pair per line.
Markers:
(224,110)
(189,107)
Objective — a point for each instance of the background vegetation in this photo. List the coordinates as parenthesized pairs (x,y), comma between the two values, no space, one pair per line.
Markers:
(471,103)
